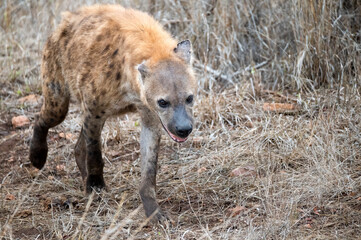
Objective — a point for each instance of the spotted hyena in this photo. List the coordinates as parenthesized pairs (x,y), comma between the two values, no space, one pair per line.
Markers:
(115,60)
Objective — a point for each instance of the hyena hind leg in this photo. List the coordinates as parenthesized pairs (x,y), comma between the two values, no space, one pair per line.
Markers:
(53,112)
(91,162)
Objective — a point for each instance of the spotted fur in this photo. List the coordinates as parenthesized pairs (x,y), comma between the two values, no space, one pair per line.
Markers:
(114,60)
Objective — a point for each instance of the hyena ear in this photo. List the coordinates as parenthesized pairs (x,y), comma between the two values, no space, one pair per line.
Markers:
(143,70)
(184,50)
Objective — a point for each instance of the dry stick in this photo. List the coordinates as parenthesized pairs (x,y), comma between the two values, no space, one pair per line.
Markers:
(91,197)
(143,224)
(109,231)
(124,195)
(116,229)
(190,205)
(218,73)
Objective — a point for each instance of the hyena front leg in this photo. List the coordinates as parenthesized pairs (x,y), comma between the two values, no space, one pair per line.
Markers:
(90,140)
(149,147)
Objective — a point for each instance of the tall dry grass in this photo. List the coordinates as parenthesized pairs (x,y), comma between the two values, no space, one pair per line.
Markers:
(302,169)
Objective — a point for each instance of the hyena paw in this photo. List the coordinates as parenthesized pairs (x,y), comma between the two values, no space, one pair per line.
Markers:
(159,216)
(38,154)
(162,217)
(95,183)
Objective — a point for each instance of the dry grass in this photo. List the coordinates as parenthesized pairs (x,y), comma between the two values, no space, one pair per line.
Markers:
(301,169)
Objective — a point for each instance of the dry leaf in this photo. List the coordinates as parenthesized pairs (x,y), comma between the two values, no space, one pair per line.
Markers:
(24,213)
(60,167)
(316,211)
(232,212)
(10,197)
(33,172)
(308,226)
(249,124)
(243,171)
(46,203)
(31,99)
(164,167)
(279,107)
(352,194)
(20,121)
(114,153)
(202,169)
(198,141)
(67,136)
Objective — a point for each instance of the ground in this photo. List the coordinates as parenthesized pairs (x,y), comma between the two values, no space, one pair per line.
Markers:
(250,170)
(292,178)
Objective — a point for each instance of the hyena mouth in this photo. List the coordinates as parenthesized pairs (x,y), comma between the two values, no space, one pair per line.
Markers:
(174,137)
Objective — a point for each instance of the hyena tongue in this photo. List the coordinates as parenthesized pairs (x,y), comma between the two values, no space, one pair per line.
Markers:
(174,137)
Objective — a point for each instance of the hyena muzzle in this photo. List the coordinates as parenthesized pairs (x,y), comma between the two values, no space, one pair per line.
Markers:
(114,60)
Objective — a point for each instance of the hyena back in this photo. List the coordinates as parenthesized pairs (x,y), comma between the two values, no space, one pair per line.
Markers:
(114,60)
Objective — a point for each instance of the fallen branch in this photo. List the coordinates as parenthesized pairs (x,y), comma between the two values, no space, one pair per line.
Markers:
(228,78)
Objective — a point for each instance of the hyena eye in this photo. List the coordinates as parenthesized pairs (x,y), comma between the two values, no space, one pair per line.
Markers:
(189,99)
(163,103)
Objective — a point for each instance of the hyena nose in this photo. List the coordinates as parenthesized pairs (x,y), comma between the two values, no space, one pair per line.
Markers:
(183,132)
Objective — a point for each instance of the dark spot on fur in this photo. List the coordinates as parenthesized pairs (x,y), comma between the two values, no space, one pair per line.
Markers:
(84,77)
(111,65)
(69,54)
(88,64)
(64,33)
(91,25)
(90,153)
(108,74)
(106,49)
(94,103)
(103,92)
(115,53)
(85,125)
(66,42)
(52,120)
(102,112)
(97,116)
(118,76)
(99,38)
(92,141)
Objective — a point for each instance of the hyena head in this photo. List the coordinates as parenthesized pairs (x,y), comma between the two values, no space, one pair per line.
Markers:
(169,90)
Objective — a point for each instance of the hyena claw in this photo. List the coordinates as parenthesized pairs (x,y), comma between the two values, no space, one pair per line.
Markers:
(95,183)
